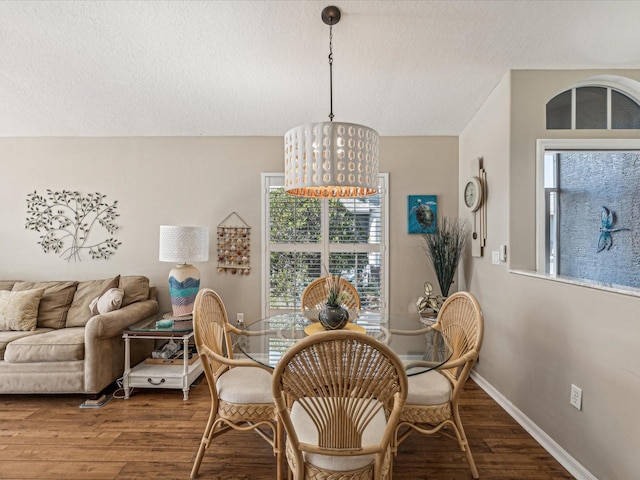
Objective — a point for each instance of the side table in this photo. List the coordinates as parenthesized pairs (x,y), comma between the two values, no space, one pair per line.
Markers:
(159,375)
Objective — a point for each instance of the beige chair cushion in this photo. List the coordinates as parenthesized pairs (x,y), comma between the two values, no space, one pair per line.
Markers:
(308,433)
(54,304)
(19,310)
(430,388)
(79,312)
(136,289)
(243,385)
(8,337)
(65,344)
(107,302)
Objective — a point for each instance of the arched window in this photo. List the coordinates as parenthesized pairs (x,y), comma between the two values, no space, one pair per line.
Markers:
(599,103)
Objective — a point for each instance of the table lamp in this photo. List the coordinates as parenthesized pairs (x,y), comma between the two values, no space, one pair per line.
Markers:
(183,245)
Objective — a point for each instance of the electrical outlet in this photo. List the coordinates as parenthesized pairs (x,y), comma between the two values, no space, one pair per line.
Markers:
(576,397)
(242,339)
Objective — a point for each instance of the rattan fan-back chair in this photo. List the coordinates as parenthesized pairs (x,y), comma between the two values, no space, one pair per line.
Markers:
(240,389)
(314,297)
(339,395)
(432,401)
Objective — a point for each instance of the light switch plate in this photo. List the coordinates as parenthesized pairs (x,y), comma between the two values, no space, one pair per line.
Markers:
(503,253)
(495,258)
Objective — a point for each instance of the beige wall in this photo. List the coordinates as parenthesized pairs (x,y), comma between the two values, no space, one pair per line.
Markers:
(542,336)
(197,181)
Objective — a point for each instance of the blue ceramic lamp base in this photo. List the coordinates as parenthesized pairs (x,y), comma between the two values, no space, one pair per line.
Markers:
(184,283)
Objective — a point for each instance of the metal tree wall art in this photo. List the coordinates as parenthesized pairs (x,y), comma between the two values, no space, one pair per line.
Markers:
(608,219)
(69,218)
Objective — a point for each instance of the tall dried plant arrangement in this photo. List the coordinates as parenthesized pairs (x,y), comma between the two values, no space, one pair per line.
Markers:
(444,248)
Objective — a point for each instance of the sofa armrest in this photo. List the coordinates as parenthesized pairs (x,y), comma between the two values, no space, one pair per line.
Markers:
(108,325)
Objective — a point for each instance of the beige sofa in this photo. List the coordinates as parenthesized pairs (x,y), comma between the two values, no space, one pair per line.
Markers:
(71,350)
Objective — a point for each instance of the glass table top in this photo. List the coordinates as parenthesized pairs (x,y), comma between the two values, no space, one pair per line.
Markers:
(266,340)
(162,325)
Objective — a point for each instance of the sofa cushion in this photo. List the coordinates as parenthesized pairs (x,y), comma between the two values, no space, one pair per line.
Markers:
(136,289)
(79,312)
(65,344)
(113,283)
(55,302)
(7,337)
(7,284)
(19,310)
(107,302)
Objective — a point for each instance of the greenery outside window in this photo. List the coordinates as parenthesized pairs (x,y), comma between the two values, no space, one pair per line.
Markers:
(305,237)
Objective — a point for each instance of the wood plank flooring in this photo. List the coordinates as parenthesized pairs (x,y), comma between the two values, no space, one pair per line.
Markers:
(155,435)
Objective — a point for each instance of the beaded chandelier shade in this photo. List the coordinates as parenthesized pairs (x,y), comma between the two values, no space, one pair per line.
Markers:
(331,159)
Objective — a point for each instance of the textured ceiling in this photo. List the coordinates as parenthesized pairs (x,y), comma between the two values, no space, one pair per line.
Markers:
(117,68)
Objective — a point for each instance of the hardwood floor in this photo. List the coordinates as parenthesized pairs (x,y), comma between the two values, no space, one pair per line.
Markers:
(155,434)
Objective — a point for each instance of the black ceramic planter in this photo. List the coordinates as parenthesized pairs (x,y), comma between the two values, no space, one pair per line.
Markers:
(333,317)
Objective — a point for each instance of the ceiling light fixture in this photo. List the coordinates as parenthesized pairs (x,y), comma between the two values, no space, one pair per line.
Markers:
(331,159)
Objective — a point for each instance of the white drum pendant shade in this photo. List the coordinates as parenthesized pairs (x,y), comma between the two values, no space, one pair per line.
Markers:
(331,160)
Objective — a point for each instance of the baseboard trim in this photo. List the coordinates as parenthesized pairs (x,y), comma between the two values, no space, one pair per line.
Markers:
(555,450)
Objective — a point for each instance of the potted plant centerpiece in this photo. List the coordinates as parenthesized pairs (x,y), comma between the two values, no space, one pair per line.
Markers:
(444,249)
(334,315)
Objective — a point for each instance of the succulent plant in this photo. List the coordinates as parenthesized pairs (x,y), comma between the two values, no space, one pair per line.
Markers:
(337,296)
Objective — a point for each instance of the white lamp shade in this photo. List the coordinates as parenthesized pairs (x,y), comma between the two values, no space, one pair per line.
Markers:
(184,244)
(331,159)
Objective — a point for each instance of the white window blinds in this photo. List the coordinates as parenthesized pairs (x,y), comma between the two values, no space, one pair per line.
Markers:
(305,237)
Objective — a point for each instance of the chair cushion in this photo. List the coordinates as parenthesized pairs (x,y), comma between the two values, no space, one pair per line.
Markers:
(308,433)
(242,385)
(430,388)
(65,344)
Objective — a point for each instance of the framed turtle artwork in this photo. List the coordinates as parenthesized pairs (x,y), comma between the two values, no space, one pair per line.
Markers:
(423,213)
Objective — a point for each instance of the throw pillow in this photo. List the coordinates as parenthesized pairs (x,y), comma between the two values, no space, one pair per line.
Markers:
(55,302)
(107,302)
(79,312)
(19,310)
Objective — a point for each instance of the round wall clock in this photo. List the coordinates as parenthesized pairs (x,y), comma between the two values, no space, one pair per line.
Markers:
(473,194)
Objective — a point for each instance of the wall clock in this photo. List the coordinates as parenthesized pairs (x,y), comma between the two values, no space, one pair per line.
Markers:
(475,199)
(473,194)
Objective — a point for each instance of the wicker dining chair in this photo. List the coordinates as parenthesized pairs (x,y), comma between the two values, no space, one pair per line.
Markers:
(432,400)
(240,389)
(314,297)
(339,395)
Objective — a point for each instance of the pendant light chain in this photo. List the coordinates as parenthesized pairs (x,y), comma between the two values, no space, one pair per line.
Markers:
(331,159)
(331,70)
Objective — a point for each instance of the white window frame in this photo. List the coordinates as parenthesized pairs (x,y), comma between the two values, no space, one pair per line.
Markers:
(544,145)
(384,241)
(625,86)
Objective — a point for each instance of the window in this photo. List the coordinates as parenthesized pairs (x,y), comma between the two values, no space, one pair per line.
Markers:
(592,107)
(588,204)
(305,237)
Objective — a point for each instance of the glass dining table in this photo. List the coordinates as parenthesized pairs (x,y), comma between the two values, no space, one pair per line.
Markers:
(421,349)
